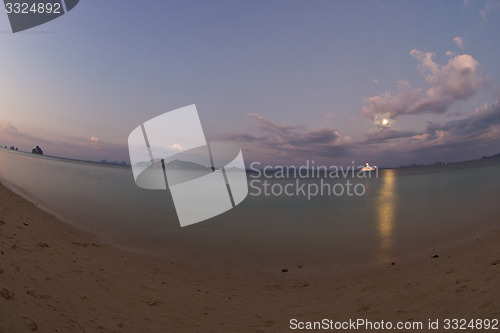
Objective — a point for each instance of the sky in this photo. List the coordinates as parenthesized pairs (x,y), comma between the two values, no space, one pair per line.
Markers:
(385,82)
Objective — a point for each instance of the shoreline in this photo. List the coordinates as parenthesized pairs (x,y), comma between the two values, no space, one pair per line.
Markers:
(54,276)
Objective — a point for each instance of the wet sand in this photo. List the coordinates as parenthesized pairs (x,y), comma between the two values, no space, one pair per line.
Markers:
(56,278)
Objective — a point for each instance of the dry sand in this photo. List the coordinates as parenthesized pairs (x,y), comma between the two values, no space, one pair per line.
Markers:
(55,278)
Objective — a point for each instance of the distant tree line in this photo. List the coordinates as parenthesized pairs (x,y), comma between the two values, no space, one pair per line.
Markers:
(491,156)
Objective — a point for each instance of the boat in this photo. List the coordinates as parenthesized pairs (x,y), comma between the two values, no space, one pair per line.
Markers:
(368,167)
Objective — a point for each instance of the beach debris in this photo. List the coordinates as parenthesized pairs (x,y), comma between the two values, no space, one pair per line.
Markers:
(43,244)
(30,323)
(284,270)
(496,262)
(435,256)
(1,271)
(153,303)
(2,222)
(393,263)
(6,294)
(26,224)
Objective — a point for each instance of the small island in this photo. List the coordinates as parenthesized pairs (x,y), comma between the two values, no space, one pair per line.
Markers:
(37,150)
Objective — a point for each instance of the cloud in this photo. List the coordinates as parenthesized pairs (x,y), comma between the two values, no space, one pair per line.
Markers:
(490,6)
(272,127)
(12,132)
(8,128)
(459,41)
(176,147)
(450,140)
(483,124)
(455,139)
(352,120)
(392,104)
(385,134)
(286,139)
(242,137)
(458,80)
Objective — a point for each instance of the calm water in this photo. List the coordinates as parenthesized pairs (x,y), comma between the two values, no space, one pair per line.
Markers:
(402,212)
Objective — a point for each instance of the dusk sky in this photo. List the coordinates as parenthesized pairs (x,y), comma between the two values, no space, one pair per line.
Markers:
(385,82)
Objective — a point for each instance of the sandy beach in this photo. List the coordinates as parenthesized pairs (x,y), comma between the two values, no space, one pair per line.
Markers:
(56,278)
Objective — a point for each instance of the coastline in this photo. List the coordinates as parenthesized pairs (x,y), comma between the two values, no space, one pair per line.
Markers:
(54,277)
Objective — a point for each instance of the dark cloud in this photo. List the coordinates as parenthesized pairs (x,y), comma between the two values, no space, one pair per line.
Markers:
(316,136)
(386,134)
(465,136)
(272,127)
(482,124)
(296,139)
(239,136)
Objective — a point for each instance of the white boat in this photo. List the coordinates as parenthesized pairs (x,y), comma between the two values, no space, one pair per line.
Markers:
(368,167)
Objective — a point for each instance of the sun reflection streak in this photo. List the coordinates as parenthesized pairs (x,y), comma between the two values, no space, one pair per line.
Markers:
(386,210)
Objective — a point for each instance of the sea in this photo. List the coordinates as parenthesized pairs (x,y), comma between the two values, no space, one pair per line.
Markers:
(320,220)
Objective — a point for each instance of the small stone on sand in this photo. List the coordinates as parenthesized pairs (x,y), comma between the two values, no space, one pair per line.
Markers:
(6,294)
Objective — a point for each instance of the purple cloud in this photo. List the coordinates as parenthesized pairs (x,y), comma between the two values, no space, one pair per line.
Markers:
(458,80)
(386,134)
(283,138)
(484,123)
